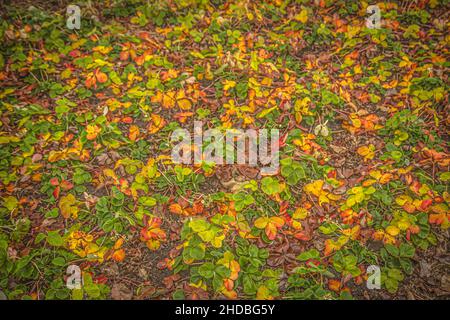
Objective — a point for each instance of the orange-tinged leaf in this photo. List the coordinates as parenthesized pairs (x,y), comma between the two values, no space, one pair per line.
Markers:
(183,116)
(168,100)
(90,80)
(409,207)
(118,244)
(124,55)
(66,185)
(234,268)
(263,293)
(352,232)
(92,131)
(368,152)
(277,221)
(134,133)
(425,204)
(331,246)
(184,104)
(176,208)
(232,294)
(385,178)
(153,244)
(436,218)
(228,284)
(56,192)
(156,124)
(334,285)
(302,235)
(101,76)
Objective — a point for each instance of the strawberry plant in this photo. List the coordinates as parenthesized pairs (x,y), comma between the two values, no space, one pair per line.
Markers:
(359,165)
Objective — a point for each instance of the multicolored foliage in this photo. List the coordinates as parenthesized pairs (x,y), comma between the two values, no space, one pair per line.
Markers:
(86,176)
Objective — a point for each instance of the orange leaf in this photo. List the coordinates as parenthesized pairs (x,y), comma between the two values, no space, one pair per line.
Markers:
(176,208)
(334,285)
(92,131)
(118,244)
(277,221)
(134,133)
(101,77)
(90,81)
(228,284)
(118,255)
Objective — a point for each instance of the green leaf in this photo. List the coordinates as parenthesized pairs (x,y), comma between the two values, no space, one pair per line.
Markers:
(406,266)
(292,170)
(393,250)
(59,261)
(445,176)
(197,253)
(199,225)
(178,295)
(270,186)
(249,285)
(310,254)
(115,78)
(147,201)
(10,203)
(391,285)
(395,274)
(223,271)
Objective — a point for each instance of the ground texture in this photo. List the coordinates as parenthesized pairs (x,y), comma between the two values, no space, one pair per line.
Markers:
(87,181)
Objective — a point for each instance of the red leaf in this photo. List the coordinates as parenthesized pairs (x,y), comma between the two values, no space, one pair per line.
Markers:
(56,192)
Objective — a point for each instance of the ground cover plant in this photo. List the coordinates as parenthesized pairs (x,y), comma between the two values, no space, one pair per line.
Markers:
(86,176)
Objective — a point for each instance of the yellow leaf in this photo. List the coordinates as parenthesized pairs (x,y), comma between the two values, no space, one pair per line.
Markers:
(261,222)
(392,230)
(102,49)
(92,131)
(157,123)
(300,213)
(168,100)
(228,84)
(8,139)
(265,112)
(402,199)
(352,232)
(68,207)
(54,156)
(153,244)
(315,187)
(277,221)
(217,241)
(368,152)
(184,104)
(263,293)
